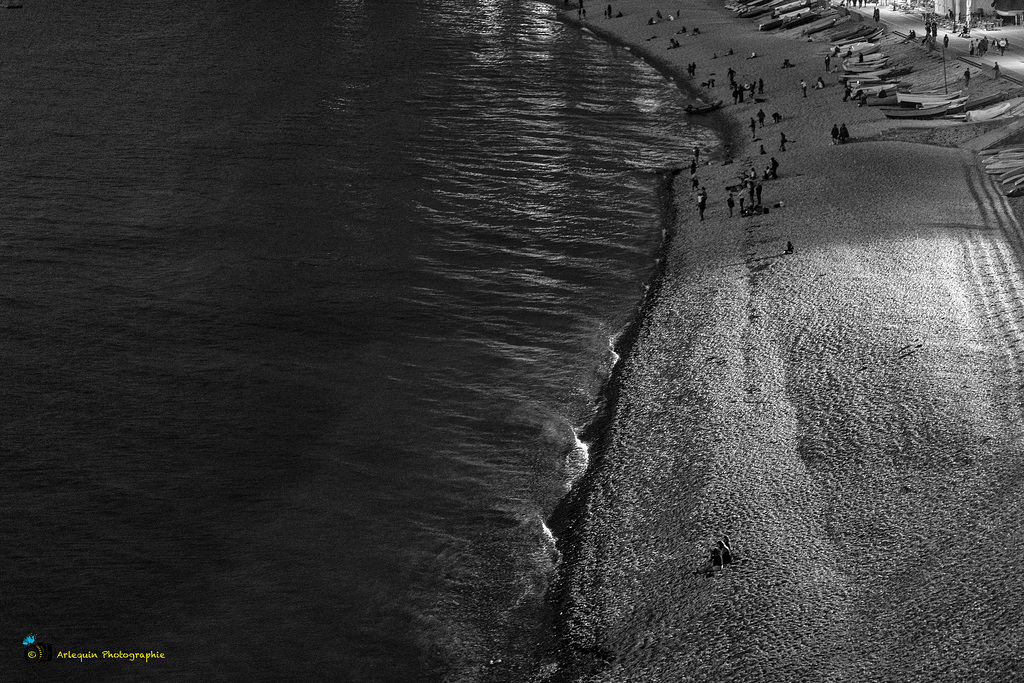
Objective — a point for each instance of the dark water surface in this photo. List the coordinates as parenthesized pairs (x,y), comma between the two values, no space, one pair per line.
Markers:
(300,303)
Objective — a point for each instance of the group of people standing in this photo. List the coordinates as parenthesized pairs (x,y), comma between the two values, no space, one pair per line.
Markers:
(839,134)
(753,187)
(741,90)
(981,47)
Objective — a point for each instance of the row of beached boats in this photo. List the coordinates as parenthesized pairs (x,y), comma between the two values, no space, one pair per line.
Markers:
(1006,166)
(787,14)
(866,69)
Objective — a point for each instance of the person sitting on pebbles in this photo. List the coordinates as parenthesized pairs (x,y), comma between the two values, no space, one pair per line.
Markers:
(725,552)
(753,55)
(714,563)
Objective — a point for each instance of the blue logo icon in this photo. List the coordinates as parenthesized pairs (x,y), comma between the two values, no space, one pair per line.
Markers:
(29,639)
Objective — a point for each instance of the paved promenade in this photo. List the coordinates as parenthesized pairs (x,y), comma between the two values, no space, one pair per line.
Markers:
(1011,64)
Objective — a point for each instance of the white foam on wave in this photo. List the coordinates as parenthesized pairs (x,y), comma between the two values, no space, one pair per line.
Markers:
(611,348)
(577,460)
(551,554)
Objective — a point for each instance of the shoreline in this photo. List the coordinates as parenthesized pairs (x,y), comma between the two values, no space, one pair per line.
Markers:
(659,487)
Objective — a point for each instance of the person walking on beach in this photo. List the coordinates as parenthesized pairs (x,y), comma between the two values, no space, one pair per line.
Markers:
(753,129)
(844,134)
(760,117)
(775,168)
(702,201)
(782,142)
(835,134)
(730,202)
(945,40)
(828,62)
(760,86)
(757,191)
(803,86)
(967,77)
(696,155)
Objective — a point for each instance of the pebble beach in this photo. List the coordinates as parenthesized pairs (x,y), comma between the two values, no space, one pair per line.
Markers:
(835,384)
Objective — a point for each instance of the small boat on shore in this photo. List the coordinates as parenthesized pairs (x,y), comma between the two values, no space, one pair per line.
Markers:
(877,92)
(990,113)
(859,48)
(879,83)
(704,109)
(801,20)
(867,76)
(849,35)
(792,5)
(1001,150)
(927,98)
(827,21)
(916,113)
(866,60)
(866,67)
(1011,189)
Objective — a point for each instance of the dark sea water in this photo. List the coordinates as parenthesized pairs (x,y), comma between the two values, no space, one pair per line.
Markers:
(301,303)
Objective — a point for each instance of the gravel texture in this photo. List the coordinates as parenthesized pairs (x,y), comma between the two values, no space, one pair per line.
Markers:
(849,414)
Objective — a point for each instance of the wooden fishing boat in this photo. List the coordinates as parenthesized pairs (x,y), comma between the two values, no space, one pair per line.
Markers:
(868,59)
(889,101)
(917,113)
(770,25)
(927,98)
(868,76)
(753,5)
(1001,150)
(1011,190)
(849,35)
(990,113)
(800,21)
(874,83)
(791,5)
(703,109)
(1003,166)
(760,10)
(790,13)
(866,67)
(859,48)
(1003,159)
(986,100)
(1013,175)
(828,20)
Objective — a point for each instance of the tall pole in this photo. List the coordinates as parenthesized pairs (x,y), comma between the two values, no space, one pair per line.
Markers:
(945,88)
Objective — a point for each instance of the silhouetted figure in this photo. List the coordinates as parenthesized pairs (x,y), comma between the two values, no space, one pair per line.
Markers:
(725,552)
